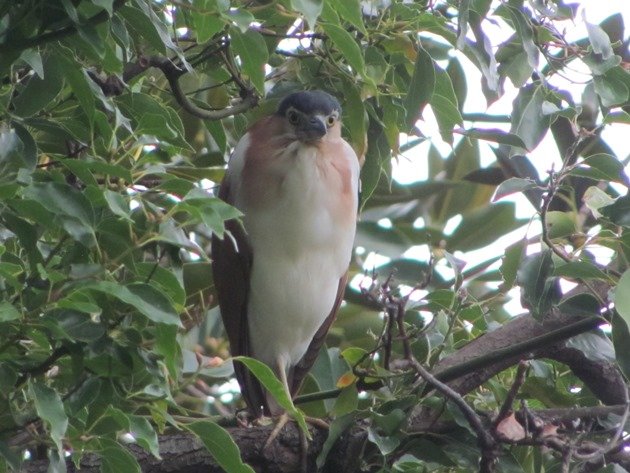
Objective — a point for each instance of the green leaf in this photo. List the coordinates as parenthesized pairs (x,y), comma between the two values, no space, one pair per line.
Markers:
(39,92)
(621,338)
(144,433)
(444,105)
(585,305)
(595,199)
(462,24)
(601,166)
(355,118)
(49,408)
(525,33)
(560,224)
(512,186)
(622,297)
(220,445)
(149,26)
(600,42)
(483,226)
(8,312)
(611,91)
(347,46)
(107,5)
(206,20)
(350,11)
(385,443)
(165,278)
(70,205)
(528,120)
(268,379)
(353,355)
(512,261)
(78,325)
(115,458)
(580,270)
(167,345)
(11,457)
(618,212)
(337,428)
(421,87)
(144,297)
(33,59)
(539,289)
(78,80)
(117,204)
(495,135)
(252,49)
(311,9)
(242,18)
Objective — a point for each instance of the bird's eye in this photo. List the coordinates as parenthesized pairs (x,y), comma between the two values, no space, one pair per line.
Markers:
(293,117)
(330,121)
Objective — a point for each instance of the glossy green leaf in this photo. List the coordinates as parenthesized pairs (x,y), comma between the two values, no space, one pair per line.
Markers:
(539,289)
(601,166)
(268,379)
(526,34)
(68,204)
(483,226)
(8,312)
(622,296)
(528,120)
(580,270)
(611,91)
(220,445)
(251,48)
(512,186)
(39,92)
(117,204)
(337,428)
(495,135)
(621,338)
(596,199)
(581,305)
(78,325)
(511,262)
(350,11)
(311,9)
(115,458)
(145,434)
(347,46)
(145,298)
(49,408)
(421,87)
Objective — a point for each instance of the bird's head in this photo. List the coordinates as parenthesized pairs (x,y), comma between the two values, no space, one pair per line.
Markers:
(310,114)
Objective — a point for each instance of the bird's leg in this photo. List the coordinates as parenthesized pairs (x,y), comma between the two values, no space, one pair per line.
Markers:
(284,417)
(282,421)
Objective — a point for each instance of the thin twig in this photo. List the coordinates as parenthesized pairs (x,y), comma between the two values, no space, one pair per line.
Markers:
(506,407)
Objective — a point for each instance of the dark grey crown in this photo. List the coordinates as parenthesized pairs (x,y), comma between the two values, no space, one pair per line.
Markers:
(310,102)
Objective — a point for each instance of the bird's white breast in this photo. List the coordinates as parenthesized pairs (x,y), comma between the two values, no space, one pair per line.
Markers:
(301,245)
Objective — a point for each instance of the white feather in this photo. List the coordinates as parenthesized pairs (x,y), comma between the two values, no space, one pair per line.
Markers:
(301,249)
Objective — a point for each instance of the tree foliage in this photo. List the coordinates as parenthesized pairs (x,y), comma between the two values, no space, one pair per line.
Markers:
(116,119)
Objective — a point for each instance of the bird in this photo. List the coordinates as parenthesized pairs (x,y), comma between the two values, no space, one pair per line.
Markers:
(280,274)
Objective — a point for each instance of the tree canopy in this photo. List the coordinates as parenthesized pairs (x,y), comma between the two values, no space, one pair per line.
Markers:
(117,117)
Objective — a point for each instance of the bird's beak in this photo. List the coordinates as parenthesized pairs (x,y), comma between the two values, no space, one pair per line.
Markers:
(312,128)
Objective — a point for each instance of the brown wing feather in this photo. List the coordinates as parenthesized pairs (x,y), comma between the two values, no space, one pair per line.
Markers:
(231,267)
(297,374)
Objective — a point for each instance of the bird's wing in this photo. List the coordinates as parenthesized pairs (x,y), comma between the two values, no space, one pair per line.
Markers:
(300,370)
(231,268)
